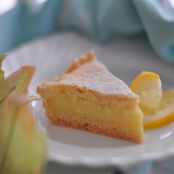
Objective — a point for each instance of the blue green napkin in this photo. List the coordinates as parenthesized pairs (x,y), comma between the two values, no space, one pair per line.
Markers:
(101,20)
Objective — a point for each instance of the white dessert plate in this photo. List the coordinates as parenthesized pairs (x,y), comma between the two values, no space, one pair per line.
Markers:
(51,55)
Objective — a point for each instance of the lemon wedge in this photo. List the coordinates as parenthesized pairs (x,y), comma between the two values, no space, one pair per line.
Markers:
(157,105)
(147,85)
(164,114)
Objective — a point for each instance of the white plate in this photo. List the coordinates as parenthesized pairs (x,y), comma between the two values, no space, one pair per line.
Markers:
(51,56)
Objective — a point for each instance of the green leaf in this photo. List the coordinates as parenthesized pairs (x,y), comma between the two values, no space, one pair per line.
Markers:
(2,57)
(17,82)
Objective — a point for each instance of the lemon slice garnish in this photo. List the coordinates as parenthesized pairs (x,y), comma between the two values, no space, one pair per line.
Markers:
(147,85)
(164,114)
(157,105)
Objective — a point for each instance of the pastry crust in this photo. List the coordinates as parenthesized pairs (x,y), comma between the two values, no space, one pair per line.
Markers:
(90,56)
(99,128)
(123,101)
(87,75)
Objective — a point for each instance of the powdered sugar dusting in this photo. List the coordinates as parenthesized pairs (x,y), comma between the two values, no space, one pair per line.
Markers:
(95,76)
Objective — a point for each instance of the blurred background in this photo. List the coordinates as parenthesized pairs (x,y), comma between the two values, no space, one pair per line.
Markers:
(127,35)
(100,20)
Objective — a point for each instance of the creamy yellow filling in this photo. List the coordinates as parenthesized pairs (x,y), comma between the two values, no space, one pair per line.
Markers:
(128,119)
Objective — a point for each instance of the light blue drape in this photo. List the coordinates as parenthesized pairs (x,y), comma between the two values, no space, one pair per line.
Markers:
(101,20)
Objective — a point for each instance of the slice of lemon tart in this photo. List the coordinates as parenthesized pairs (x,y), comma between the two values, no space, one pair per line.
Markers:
(89,97)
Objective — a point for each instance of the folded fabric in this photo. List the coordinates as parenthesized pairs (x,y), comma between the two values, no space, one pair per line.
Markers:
(157,18)
(101,20)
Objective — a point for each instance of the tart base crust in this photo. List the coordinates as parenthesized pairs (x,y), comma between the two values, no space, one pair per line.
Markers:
(99,128)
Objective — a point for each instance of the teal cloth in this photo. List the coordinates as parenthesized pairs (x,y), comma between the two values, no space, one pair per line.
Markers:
(100,20)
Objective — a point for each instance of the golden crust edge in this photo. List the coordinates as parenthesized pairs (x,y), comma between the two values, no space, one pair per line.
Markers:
(127,101)
(88,57)
(96,128)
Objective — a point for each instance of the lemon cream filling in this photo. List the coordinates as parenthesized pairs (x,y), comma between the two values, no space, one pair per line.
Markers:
(80,108)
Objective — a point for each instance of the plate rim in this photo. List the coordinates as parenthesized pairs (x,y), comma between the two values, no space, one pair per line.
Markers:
(105,162)
(110,161)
